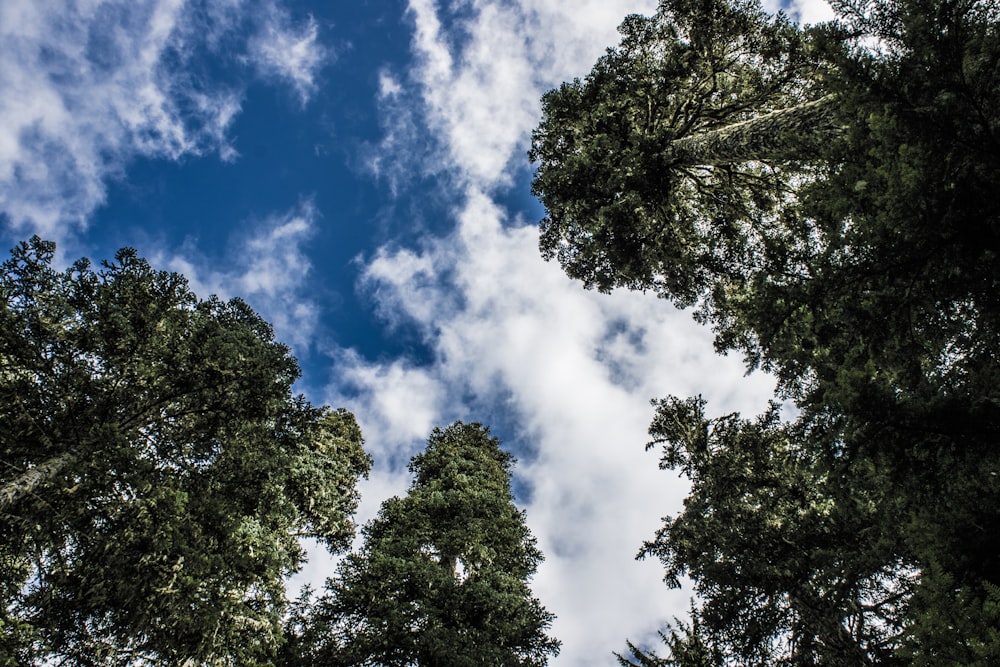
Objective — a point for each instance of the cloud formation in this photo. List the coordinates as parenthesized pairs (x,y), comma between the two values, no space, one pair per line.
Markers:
(268,268)
(90,86)
(570,372)
(285,52)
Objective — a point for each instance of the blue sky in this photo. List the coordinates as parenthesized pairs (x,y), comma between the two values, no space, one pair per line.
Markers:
(357,171)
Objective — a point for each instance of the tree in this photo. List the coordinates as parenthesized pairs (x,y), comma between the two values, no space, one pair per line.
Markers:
(831,223)
(688,645)
(655,169)
(791,564)
(157,472)
(859,261)
(442,578)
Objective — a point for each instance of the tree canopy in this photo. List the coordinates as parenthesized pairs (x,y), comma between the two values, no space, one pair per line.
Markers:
(887,195)
(646,168)
(442,578)
(794,561)
(156,471)
(826,198)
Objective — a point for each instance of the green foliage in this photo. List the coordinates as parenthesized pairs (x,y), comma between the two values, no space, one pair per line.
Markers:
(857,257)
(628,204)
(156,472)
(792,554)
(956,624)
(688,644)
(442,579)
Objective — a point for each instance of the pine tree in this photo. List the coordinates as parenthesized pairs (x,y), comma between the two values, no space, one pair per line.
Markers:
(856,255)
(660,158)
(156,472)
(442,578)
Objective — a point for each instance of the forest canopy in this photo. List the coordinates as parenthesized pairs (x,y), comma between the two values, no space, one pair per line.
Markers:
(825,197)
(158,477)
(157,471)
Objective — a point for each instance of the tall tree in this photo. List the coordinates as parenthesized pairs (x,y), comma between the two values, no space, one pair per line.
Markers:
(442,578)
(791,553)
(859,262)
(156,472)
(881,196)
(655,168)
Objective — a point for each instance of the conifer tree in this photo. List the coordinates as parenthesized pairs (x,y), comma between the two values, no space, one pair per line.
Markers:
(156,472)
(854,253)
(442,578)
(663,155)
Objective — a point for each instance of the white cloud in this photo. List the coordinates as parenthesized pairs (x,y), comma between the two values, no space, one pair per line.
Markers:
(397,403)
(509,333)
(481,98)
(809,11)
(286,52)
(90,86)
(802,11)
(393,270)
(388,86)
(578,369)
(83,92)
(268,268)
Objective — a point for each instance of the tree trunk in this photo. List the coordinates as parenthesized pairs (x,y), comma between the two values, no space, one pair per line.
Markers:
(786,134)
(449,563)
(16,489)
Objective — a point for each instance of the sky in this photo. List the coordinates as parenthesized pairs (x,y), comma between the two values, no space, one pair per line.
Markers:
(357,171)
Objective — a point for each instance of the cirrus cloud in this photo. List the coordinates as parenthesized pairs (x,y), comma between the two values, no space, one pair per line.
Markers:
(91,86)
(565,373)
(267,266)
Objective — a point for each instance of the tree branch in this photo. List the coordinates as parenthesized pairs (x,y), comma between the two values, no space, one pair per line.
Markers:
(782,134)
(16,489)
